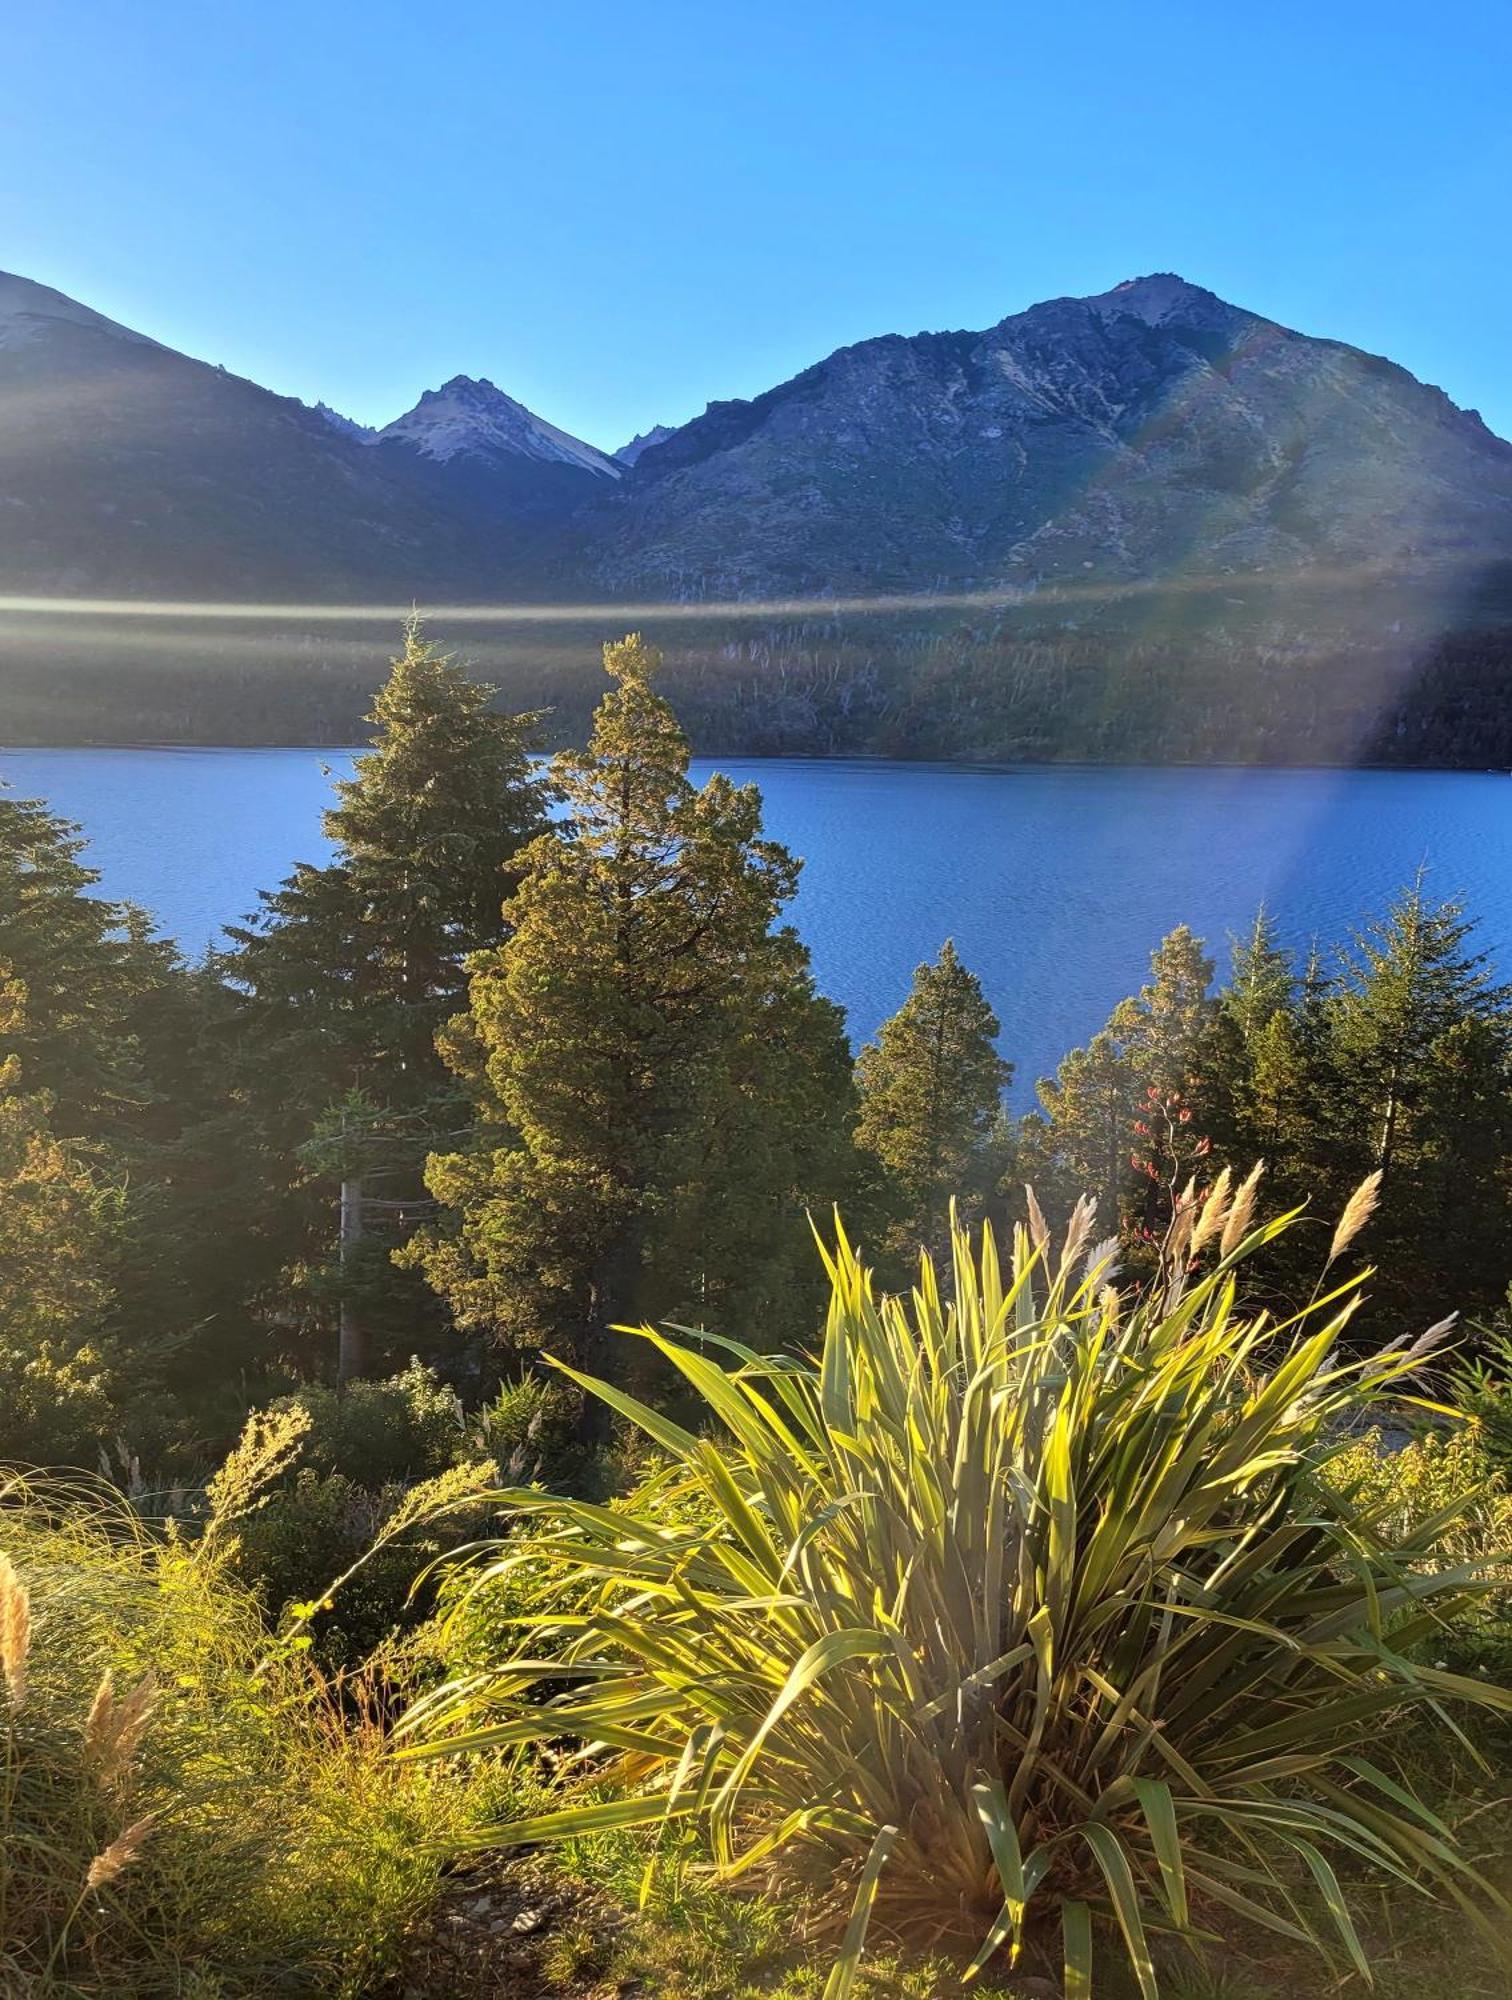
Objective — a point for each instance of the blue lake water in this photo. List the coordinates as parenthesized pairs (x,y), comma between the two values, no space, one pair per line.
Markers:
(1054,882)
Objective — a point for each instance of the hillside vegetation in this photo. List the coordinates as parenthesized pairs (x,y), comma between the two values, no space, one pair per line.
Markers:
(461,1538)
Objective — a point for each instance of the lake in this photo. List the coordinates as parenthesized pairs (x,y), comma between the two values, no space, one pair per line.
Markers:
(1055,882)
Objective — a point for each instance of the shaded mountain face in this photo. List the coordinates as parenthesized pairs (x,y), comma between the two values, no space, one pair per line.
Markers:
(469,418)
(1150,434)
(129,470)
(482,450)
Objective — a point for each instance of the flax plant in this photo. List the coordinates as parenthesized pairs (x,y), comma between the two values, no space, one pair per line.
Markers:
(1021,1609)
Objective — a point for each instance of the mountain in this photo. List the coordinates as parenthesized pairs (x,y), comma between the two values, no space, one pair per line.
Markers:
(1147,434)
(629,454)
(480,448)
(468,418)
(1145,524)
(130,470)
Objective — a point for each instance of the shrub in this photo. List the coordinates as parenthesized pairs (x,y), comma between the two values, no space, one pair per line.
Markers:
(1451,1474)
(1023,1603)
(408,1426)
(179,1811)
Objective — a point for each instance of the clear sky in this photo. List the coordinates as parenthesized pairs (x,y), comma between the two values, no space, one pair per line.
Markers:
(619,212)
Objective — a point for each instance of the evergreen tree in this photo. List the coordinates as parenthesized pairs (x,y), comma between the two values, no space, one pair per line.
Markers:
(931,1090)
(660,1090)
(95,978)
(1128,1119)
(57,1219)
(351,968)
(1420,1042)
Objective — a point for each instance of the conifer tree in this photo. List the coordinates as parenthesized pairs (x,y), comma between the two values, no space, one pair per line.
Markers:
(1420,1041)
(95,978)
(931,1092)
(351,968)
(1129,1117)
(660,1090)
(57,1218)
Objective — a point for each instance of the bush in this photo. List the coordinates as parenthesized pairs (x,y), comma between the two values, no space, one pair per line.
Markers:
(1454,1473)
(1025,1606)
(407,1427)
(178,1811)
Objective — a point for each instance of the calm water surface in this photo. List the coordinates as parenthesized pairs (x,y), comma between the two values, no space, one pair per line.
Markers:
(1054,883)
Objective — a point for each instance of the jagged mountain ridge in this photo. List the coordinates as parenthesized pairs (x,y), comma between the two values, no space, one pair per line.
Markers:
(1144,433)
(128,469)
(1143,523)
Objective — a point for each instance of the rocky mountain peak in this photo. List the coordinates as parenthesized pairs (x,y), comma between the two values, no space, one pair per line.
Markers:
(643,441)
(469,415)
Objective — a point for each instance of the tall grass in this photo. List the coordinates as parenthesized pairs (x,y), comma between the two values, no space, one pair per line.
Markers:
(1024,1611)
(180,1810)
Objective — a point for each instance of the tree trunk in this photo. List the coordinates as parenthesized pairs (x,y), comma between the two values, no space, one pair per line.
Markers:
(351,1352)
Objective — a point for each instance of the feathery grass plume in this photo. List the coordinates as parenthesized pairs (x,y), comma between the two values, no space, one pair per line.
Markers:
(1358,1210)
(1039,1229)
(270,1442)
(120,1854)
(15,1632)
(1241,1211)
(1210,1221)
(1017,1605)
(114,1730)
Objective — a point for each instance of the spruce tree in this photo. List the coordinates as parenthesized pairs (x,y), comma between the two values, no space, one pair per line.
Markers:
(931,1091)
(659,1089)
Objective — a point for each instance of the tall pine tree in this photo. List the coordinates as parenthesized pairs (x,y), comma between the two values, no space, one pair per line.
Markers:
(659,1088)
(350,969)
(931,1088)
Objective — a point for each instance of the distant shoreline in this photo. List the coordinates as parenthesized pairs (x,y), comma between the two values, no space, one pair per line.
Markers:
(1004,766)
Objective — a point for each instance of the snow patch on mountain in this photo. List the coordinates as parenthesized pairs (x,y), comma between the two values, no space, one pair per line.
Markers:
(643,441)
(27,309)
(468,415)
(347,426)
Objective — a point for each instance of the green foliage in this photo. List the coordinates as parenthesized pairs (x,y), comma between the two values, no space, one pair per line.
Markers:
(178,1814)
(89,974)
(408,1426)
(1128,1119)
(1396,1060)
(931,1089)
(348,971)
(659,1089)
(1023,1605)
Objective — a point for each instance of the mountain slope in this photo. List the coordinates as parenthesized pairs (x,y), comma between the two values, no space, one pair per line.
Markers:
(1151,433)
(1142,525)
(127,469)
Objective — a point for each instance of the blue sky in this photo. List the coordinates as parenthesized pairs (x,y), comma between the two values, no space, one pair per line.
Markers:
(619,213)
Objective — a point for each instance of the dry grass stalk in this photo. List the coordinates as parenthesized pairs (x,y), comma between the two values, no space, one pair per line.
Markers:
(122,1851)
(1358,1210)
(1241,1211)
(1039,1229)
(1210,1221)
(115,1729)
(15,1631)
